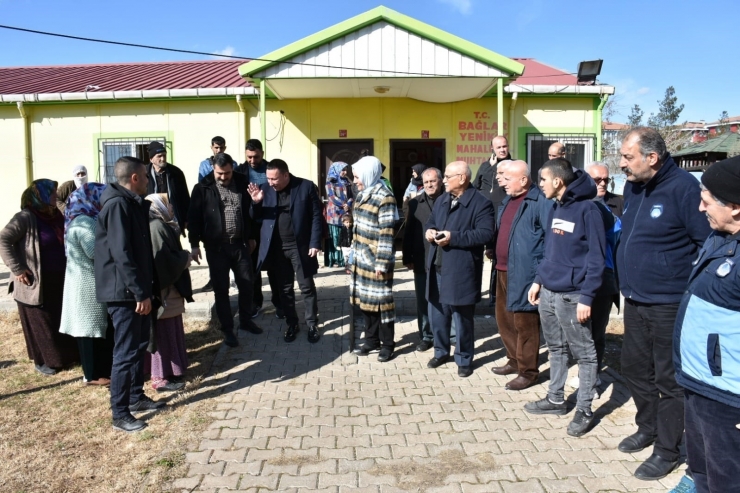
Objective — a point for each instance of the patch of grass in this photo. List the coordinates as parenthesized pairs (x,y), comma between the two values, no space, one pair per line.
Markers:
(56,433)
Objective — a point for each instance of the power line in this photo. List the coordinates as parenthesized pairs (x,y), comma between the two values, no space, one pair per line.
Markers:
(204,53)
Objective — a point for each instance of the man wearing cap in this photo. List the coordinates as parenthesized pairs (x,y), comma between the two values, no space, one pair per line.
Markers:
(167,178)
(706,340)
(662,232)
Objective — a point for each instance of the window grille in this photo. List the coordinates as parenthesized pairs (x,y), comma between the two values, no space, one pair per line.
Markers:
(579,149)
(113,149)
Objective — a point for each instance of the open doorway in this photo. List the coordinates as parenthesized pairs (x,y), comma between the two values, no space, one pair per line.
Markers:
(407,153)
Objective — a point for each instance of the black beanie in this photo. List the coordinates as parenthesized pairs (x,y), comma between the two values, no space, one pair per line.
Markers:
(156,148)
(723,180)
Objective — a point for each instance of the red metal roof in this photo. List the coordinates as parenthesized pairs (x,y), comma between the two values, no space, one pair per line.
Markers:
(180,75)
(537,73)
(121,77)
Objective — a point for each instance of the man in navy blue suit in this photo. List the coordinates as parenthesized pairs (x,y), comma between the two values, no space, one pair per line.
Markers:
(290,240)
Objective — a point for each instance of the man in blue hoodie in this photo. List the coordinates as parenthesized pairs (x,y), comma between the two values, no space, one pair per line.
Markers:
(662,231)
(565,286)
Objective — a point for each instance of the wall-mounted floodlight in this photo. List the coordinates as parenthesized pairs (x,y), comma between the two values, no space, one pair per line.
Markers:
(587,72)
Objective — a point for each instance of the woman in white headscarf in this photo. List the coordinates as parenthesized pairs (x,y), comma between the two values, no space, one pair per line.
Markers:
(79,178)
(371,286)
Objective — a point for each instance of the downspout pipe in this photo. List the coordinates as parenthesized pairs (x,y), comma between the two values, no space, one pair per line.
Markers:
(513,141)
(597,125)
(26,143)
(240,104)
(500,106)
(263,116)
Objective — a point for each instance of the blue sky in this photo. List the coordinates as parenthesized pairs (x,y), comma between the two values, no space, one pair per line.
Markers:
(646,45)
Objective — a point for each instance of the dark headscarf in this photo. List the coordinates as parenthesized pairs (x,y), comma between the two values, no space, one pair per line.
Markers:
(419,169)
(37,199)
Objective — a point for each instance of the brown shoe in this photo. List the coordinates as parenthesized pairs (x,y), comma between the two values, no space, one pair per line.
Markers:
(520,383)
(104,382)
(507,369)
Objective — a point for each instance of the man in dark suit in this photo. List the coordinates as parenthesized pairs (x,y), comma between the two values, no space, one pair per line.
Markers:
(599,172)
(462,223)
(416,249)
(290,240)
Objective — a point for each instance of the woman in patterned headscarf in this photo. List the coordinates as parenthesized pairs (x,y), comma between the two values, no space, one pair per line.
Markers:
(339,203)
(167,357)
(32,246)
(372,256)
(82,316)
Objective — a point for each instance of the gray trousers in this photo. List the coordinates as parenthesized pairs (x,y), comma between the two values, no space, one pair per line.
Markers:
(561,329)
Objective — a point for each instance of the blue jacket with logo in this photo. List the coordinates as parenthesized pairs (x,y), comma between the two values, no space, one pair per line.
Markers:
(526,247)
(575,243)
(706,340)
(662,230)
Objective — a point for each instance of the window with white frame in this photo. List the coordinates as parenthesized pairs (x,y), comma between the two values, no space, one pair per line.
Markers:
(579,149)
(113,149)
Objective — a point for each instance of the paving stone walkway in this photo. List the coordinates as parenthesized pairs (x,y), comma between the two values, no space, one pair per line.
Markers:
(302,418)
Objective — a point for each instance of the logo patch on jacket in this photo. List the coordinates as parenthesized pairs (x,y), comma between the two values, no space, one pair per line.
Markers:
(561,226)
(656,211)
(725,268)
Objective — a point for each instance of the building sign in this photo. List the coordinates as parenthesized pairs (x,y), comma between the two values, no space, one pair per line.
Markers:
(474,137)
(425,134)
(342,134)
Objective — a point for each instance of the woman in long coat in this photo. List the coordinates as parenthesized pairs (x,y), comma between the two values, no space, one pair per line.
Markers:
(82,316)
(167,357)
(32,246)
(371,285)
(339,203)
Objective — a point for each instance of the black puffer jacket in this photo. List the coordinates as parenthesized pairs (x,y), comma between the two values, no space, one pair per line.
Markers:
(485,182)
(177,192)
(124,267)
(204,219)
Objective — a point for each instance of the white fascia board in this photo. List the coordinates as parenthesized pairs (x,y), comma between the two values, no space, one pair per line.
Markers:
(556,89)
(121,95)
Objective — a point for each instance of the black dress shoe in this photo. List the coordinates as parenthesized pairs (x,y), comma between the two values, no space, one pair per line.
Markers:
(129,424)
(207,288)
(635,443)
(313,334)
(437,362)
(655,467)
(250,327)
(230,338)
(424,346)
(364,350)
(170,387)
(291,333)
(464,371)
(385,354)
(507,369)
(146,404)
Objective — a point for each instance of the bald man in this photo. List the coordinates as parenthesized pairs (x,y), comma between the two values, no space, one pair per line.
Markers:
(519,248)
(461,224)
(556,150)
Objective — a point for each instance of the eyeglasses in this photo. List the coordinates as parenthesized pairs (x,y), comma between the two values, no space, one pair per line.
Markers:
(448,177)
(605,180)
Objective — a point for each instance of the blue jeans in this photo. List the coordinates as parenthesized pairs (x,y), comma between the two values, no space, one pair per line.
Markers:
(561,329)
(442,317)
(130,339)
(422,307)
(712,443)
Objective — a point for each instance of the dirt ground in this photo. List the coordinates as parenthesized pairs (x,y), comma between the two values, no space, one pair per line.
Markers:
(56,433)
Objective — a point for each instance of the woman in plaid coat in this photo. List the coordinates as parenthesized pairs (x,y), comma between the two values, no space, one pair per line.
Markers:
(372,258)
